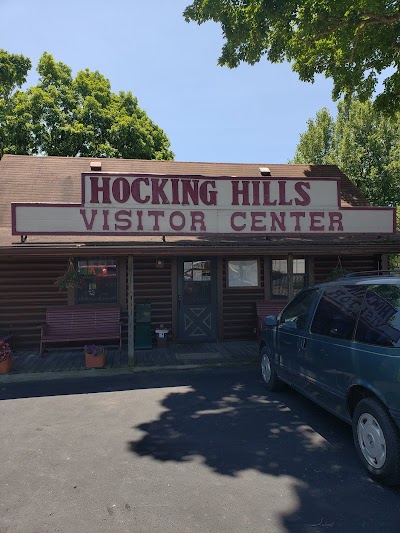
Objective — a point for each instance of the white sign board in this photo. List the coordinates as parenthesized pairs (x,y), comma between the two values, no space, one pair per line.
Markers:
(192,205)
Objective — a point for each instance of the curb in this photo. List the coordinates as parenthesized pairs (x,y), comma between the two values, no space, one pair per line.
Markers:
(103,372)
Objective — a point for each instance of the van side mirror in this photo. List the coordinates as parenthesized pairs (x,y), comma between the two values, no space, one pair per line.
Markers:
(270,321)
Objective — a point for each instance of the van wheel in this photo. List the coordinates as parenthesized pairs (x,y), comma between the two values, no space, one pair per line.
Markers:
(377,440)
(269,375)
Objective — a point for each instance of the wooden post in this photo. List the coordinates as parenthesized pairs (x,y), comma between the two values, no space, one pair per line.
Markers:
(290,276)
(220,299)
(131,322)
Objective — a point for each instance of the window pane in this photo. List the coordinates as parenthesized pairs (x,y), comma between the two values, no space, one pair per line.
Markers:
(243,273)
(98,281)
(337,311)
(298,310)
(279,279)
(197,282)
(379,322)
(299,266)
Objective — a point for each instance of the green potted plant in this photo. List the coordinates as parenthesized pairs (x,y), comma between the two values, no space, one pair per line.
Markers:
(70,278)
(95,356)
(5,357)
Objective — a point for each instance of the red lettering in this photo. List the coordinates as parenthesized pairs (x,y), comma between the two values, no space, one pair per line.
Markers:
(267,193)
(282,194)
(126,222)
(316,217)
(233,223)
(121,190)
(89,225)
(297,215)
(275,220)
(135,190)
(106,227)
(157,215)
(96,189)
(190,189)
(257,217)
(208,197)
(157,190)
(175,191)
(197,218)
(335,218)
(305,197)
(176,214)
(140,220)
(256,193)
(243,192)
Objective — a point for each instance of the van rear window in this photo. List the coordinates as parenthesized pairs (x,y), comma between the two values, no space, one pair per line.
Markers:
(379,321)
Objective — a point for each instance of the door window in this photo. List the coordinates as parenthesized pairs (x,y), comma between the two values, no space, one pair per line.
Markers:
(337,311)
(297,312)
(196,282)
(379,321)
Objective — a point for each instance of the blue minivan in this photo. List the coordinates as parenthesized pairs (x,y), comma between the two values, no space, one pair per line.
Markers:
(339,344)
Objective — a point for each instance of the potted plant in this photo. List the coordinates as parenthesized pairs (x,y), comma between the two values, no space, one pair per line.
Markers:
(5,357)
(70,278)
(95,356)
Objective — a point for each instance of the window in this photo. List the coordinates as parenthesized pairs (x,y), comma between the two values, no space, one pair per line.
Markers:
(98,280)
(243,273)
(379,321)
(298,311)
(286,273)
(197,282)
(337,311)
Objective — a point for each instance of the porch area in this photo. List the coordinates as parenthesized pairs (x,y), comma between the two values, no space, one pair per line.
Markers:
(28,361)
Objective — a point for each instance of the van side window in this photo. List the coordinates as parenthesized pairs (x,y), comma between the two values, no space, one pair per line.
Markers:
(297,312)
(337,311)
(379,322)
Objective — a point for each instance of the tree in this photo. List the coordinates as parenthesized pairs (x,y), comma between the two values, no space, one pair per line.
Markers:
(363,143)
(80,116)
(351,42)
(13,72)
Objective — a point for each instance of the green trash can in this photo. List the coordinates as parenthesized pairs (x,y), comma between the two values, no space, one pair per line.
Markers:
(143,326)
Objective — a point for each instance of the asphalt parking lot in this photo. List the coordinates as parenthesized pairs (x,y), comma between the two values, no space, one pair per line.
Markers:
(206,450)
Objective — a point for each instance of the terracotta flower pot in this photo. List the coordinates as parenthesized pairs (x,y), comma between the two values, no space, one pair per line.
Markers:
(5,366)
(95,361)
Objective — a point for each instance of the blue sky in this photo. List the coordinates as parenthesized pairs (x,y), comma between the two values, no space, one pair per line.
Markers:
(252,114)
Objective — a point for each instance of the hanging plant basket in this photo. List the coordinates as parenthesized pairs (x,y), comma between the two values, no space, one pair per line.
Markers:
(70,279)
(338,271)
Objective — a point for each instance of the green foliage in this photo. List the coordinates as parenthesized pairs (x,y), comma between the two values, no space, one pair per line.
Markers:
(363,142)
(350,42)
(13,72)
(78,116)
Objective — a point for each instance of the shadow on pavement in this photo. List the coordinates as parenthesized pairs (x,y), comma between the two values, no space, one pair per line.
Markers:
(233,425)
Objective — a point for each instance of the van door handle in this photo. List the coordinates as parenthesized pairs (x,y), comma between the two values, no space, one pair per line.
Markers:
(303,342)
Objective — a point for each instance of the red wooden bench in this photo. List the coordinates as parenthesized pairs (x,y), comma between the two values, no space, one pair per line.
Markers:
(263,309)
(87,324)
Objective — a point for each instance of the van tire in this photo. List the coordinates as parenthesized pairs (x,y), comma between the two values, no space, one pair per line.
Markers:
(377,441)
(268,372)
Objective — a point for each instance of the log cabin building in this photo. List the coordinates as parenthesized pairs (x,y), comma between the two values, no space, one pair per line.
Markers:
(191,246)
